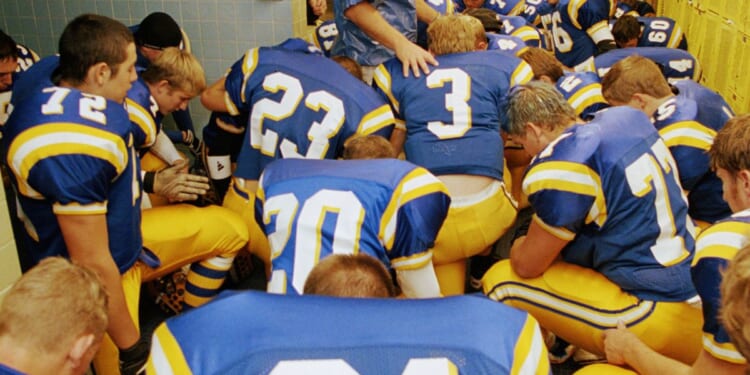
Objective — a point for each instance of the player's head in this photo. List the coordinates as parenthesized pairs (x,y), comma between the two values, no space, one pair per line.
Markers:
(633,81)
(350,275)
(368,147)
(350,65)
(730,158)
(545,65)
(174,78)
(455,33)
(735,301)
(56,312)
(627,31)
(8,60)
(155,33)
(487,17)
(97,55)
(473,3)
(537,113)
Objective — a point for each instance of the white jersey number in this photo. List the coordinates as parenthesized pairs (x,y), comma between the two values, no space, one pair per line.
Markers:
(415,366)
(267,140)
(456,102)
(349,216)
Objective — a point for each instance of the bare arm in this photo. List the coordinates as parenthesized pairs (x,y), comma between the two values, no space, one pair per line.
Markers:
(213,97)
(623,347)
(398,137)
(413,57)
(531,255)
(425,13)
(87,241)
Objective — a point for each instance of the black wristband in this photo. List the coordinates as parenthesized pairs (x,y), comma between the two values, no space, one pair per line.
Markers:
(148,182)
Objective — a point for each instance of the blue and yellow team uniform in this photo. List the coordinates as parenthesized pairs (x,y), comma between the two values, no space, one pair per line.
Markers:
(641,9)
(444,7)
(324,36)
(534,9)
(26,58)
(300,104)
(675,64)
(583,90)
(387,208)
(5,370)
(610,188)
(83,161)
(355,43)
(576,27)
(505,43)
(349,336)
(660,32)
(679,121)
(144,114)
(518,26)
(501,7)
(715,247)
(461,136)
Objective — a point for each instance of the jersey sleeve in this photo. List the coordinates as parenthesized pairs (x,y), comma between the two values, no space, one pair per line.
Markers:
(564,191)
(689,142)
(73,167)
(530,353)
(593,17)
(714,248)
(413,218)
(383,83)
(237,86)
(166,355)
(142,113)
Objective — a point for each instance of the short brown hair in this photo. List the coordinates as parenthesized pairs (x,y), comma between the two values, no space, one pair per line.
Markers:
(735,301)
(634,74)
(180,68)
(350,65)
(731,147)
(350,275)
(543,63)
(626,28)
(53,304)
(368,147)
(454,33)
(88,40)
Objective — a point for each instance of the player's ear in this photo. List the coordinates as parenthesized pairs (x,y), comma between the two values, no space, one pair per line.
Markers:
(547,79)
(743,178)
(80,350)
(638,101)
(533,129)
(99,73)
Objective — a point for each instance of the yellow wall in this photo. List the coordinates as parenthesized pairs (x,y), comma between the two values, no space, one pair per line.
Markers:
(10,270)
(718,33)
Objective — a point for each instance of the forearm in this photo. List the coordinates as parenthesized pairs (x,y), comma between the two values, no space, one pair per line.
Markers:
(419,283)
(87,241)
(646,361)
(425,13)
(165,149)
(367,18)
(213,97)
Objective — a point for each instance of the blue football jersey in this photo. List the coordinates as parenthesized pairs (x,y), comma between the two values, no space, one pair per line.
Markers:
(309,209)
(678,121)
(715,247)
(72,153)
(576,27)
(659,32)
(502,7)
(675,64)
(324,36)
(258,333)
(26,58)
(144,114)
(512,45)
(355,43)
(518,26)
(300,104)
(610,187)
(453,115)
(583,90)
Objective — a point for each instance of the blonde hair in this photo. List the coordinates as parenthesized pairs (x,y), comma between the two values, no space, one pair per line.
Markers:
(731,147)
(454,33)
(539,103)
(735,301)
(634,75)
(180,68)
(350,275)
(368,147)
(543,63)
(52,305)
